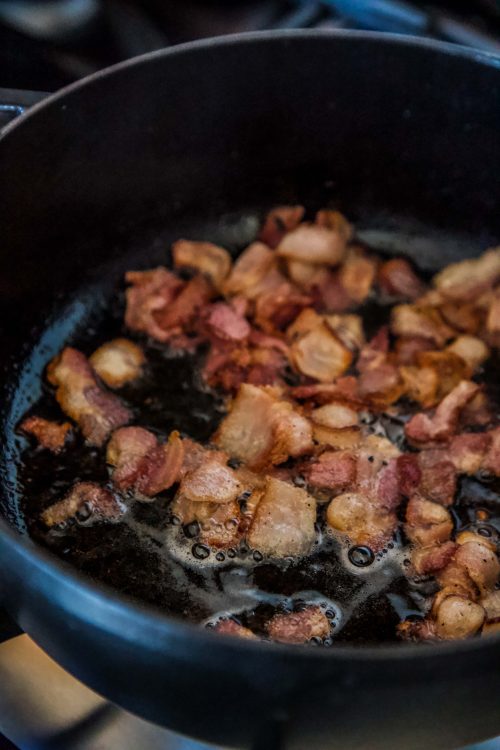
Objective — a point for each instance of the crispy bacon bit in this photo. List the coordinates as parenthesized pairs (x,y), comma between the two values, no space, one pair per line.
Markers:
(329,293)
(219,522)
(226,323)
(118,362)
(276,309)
(209,259)
(454,579)
(182,311)
(409,473)
(420,384)
(49,435)
(249,269)
(335,415)
(480,562)
(427,523)
(355,515)
(431,559)
(340,439)
(466,280)
(457,617)
(333,470)
(231,627)
(261,429)
(211,482)
(424,430)
(320,354)
(141,463)
(344,390)
(380,385)
(300,273)
(407,349)
(85,499)
(438,476)
(462,316)
(313,244)
(278,222)
(349,329)
(477,413)
(357,275)
(468,450)
(150,291)
(417,630)
(336,221)
(472,350)
(299,627)
(422,321)
(80,396)
(397,278)
(449,367)
(283,524)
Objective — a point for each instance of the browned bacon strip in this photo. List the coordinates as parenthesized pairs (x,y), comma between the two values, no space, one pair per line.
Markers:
(150,292)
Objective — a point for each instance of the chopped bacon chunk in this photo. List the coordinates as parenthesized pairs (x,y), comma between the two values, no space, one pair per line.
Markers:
(219,522)
(381,385)
(211,482)
(428,560)
(231,627)
(343,389)
(420,384)
(408,347)
(422,321)
(85,499)
(299,627)
(329,293)
(491,604)
(349,329)
(278,222)
(438,476)
(150,291)
(335,415)
(118,362)
(409,473)
(467,279)
(467,451)
(332,470)
(357,275)
(340,439)
(449,367)
(249,269)
(313,244)
(427,523)
(205,257)
(277,308)
(472,350)
(50,435)
(80,396)
(397,278)
(477,413)
(423,430)
(141,463)
(226,323)
(261,429)
(355,515)
(336,221)
(283,524)
(182,311)
(457,617)
(462,316)
(320,354)
(480,562)
(302,274)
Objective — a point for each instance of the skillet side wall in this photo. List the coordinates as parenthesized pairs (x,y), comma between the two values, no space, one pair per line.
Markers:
(209,129)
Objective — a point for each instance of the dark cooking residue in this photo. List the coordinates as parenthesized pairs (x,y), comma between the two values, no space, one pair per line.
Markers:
(363,583)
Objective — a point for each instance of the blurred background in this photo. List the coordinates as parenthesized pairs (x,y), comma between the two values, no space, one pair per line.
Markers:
(45,45)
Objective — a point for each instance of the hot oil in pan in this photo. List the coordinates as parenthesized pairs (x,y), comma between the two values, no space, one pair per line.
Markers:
(146,555)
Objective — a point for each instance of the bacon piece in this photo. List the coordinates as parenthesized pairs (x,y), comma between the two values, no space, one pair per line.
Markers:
(454,579)
(299,627)
(355,515)
(397,278)
(329,293)
(472,350)
(283,524)
(357,275)
(348,328)
(462,316)
(333,470)
(420,384)
(278,222)
(340,439)
(427,523)
(424,430)
(150,291)
(313,244)
(276,309)
(344,390)
(477,413)
(409,473)
(491,604)
(302,274)
(205,257)
(249,269)
(491,462)
(226,323)
(457,617)
(336,221)
(261,429)
(50,435)
(438,476)
(480,562)
(335,415)
(465,280)
(182,311)
(380,385)
(449,367)
(408,347)
(118,362)
(219,522)
(417,630)
(231,627)
(320,354)
(229,367)
(467,451)
(211,482)
(141,463)
(80,396)
(432,559)
(85,499)
(422,321)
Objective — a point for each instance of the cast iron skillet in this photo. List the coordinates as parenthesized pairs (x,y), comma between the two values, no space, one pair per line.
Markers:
(403,136)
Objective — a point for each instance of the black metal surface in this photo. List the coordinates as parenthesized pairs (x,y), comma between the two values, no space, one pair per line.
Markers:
(381,127)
